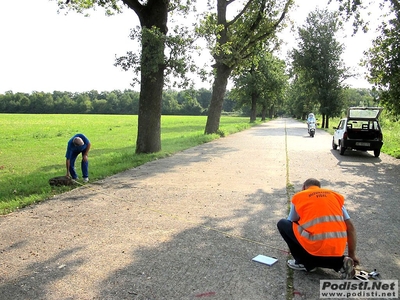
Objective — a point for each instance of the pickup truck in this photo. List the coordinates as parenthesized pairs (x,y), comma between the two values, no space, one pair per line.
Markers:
(360,130)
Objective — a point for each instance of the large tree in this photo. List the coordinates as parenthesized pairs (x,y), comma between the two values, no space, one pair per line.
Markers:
(383,58)
(233,41)
(318,60)
(383,62)
(298,100)
(261,86)
(359,97)
(153,63)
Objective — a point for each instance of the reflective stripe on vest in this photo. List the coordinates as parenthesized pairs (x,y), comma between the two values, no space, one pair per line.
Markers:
(321,236)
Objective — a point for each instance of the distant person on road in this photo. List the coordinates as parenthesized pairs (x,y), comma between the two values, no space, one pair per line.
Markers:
(310,120)
(317,230)
(76,145)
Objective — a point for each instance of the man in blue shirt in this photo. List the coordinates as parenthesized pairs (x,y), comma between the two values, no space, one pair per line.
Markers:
(76,145)
(310,120)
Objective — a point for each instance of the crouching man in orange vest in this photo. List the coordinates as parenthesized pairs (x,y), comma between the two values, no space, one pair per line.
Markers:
(317,231)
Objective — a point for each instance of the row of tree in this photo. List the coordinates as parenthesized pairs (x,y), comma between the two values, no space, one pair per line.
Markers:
(262,87)
(232,39)
(242,48)
(188,102)
(252,95)
(235,39)
(317,68)
(318,72)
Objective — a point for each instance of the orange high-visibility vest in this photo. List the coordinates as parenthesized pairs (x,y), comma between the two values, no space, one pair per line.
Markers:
(321,229)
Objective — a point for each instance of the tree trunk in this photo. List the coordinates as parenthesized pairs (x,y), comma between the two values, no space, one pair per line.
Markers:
(151,16)
(149,116)
(323,121)
(271,111)
(253,113)
(263,112)
(217,98)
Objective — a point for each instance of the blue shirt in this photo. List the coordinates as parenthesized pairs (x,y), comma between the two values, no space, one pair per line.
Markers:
(72,148)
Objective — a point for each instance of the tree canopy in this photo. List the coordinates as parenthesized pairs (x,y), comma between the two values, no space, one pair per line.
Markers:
(262,85)
(383,61)
(318,61)
(233,40)
(383,58)
(153,17)
(184,102)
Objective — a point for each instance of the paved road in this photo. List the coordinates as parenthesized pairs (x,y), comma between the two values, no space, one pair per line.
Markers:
(187,227)
(371,187)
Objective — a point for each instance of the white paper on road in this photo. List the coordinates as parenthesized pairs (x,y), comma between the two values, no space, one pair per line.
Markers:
(265,259)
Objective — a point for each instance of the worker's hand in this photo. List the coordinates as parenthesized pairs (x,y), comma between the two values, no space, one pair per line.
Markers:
(85,157)
(67,175)
(355,260)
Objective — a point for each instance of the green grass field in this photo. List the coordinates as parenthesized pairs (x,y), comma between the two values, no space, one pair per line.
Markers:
(33,148)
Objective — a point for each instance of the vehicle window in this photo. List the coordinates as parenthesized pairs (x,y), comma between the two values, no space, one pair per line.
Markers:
(363,125)
(364,113)
(341,124)
(356,124)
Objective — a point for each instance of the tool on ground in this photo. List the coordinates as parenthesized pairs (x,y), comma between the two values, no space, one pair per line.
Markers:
(365,276)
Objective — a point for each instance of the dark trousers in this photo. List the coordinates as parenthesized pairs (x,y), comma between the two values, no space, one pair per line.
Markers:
(301,256)
(84,166)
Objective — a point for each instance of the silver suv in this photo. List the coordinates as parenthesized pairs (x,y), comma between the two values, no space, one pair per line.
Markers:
(359,131)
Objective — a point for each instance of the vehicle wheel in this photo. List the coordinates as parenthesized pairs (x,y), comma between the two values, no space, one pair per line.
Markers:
(377,152)
(334,146)
(342,149)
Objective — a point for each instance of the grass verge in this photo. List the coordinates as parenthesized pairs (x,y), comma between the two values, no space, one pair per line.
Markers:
(33,149)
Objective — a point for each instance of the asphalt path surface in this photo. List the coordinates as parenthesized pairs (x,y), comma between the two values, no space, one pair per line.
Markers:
(371,187)
(188,226)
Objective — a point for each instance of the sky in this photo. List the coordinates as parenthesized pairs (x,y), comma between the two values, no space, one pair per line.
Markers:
(46,51)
